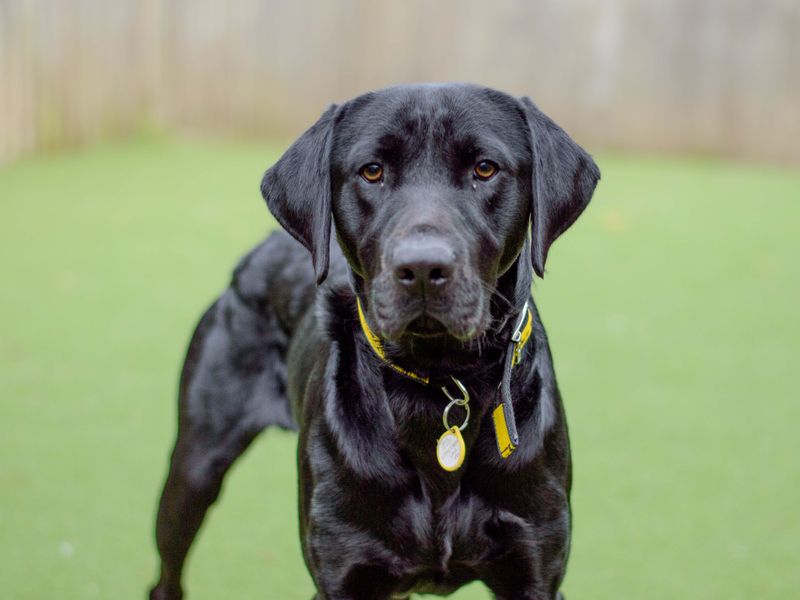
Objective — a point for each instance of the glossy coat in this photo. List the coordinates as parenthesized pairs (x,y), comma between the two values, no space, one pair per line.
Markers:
(378,517)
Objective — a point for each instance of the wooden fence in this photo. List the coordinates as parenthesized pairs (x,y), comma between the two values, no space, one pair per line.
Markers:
(710,76)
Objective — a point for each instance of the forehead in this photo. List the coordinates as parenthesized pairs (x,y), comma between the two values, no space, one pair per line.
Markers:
(453,119)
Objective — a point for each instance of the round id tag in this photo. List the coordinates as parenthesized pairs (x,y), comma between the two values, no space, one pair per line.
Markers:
(450,449)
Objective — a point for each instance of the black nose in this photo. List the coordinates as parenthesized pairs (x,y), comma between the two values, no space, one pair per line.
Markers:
(423,261)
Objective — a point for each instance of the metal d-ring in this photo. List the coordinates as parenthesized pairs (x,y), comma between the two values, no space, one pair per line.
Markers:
(456,401)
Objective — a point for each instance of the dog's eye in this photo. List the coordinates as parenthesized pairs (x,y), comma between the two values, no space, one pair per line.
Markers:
(372,172)
(485,169)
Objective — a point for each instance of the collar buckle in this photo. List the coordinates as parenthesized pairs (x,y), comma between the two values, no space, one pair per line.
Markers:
(522,331)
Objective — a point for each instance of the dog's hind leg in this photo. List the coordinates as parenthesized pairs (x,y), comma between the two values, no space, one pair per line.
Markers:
(195,477)
(232,387)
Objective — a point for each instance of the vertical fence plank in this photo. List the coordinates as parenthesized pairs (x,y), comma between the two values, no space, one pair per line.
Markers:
(709,76)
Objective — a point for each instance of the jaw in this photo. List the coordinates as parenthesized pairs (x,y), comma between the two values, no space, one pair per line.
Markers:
(444,355)
(473,314)
(462,350)
(462,314)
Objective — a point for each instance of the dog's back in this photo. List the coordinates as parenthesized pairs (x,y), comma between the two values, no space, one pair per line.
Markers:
(238,350)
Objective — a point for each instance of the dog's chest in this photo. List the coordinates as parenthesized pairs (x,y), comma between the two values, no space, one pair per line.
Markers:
(445,541)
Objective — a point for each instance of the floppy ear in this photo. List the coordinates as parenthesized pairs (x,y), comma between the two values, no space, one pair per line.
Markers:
(564,178)
(298,191)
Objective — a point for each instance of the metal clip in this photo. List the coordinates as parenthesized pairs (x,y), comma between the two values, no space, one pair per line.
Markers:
(456,402)
(517,335)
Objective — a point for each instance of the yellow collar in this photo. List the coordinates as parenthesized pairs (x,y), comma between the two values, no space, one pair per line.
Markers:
(520,336)
(377,347)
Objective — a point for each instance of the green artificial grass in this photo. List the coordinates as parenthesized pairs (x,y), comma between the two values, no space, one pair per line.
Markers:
(672,310)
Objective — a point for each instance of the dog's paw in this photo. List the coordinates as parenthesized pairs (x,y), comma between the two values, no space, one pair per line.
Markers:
(161,592)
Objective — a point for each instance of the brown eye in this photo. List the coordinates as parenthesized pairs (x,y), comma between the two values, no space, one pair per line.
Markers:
(485,169)
(372,172)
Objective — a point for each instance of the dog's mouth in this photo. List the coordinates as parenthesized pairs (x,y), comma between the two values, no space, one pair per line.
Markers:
(460,313)
(426,326)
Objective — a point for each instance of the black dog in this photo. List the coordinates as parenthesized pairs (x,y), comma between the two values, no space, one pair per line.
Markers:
(433,447)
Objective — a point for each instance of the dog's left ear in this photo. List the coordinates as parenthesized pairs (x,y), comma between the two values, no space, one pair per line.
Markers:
(297,189)
(564,178)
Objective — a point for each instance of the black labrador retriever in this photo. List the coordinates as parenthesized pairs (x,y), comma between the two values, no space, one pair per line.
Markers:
(433,447)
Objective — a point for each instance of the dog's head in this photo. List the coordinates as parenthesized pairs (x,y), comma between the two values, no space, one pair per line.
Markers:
(431,189)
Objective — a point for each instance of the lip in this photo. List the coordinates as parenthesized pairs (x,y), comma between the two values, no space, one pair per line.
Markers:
(426,326)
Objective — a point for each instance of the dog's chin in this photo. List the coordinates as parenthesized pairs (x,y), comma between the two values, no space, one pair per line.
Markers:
(427,327)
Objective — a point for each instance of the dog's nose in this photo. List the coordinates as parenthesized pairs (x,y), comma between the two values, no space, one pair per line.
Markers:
(423,262)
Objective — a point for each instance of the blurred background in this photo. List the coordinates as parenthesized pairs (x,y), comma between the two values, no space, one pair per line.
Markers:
(133,135)
(715,76)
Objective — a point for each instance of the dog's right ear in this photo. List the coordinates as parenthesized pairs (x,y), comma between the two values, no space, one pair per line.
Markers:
(297,189)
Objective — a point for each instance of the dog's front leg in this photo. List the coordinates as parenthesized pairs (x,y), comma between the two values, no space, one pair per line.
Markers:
(348,564)
(358,582)
(524,580)
(532,593)
(522,595)
(367,597)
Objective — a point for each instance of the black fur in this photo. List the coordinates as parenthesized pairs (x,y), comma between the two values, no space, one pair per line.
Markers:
(379,518)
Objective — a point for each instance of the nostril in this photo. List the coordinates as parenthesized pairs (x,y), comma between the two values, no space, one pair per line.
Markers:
(437,276)
(405,276)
